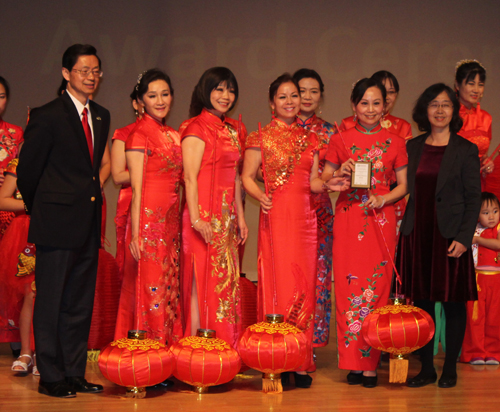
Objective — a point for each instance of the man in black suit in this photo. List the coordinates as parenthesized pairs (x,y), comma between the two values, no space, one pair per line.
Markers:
(58,177)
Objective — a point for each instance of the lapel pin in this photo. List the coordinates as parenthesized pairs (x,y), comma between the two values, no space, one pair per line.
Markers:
(98,118)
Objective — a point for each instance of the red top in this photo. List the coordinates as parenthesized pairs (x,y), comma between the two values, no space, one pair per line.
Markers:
(11,136)
(476,127)
(124,132)
(392,123)
(486,256)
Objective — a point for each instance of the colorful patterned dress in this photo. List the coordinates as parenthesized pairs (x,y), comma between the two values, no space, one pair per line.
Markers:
(361,267)
(288,236)
(214,266)
(11,137)
(123,204)
(160,234)
(17,268)
(324,215)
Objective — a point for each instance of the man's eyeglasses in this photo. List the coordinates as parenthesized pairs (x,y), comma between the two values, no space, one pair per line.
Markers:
(87,72)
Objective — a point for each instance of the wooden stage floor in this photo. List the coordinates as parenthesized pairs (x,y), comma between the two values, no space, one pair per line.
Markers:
(477,389)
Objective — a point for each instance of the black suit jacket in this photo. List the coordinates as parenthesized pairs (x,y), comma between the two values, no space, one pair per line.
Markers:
(59,184)
(458,190)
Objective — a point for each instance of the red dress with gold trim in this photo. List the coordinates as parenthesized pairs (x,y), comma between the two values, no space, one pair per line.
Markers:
(11,137)
(160,234)
(123,203)
(288,236)
(476,127)
(324,215)
(482,334)
(361,267)
(214,266)
(17,268)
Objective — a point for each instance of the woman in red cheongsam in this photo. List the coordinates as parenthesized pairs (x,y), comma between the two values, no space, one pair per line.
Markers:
(213,222)
(311,94)
(287,247)
(155,162)
(470,77)
(362,266)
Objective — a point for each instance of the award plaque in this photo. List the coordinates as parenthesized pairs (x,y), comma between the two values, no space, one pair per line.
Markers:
(362,175)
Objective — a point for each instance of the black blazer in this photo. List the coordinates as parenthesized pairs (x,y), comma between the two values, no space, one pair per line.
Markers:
(458,190)
(59,184)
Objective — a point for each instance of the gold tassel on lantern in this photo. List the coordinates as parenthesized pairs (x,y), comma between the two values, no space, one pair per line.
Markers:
(271,383)
(93,355)
(398,369)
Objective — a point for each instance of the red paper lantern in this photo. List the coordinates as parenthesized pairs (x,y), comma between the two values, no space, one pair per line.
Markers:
(273,347)
(399,330)
(136,362)
(204,360)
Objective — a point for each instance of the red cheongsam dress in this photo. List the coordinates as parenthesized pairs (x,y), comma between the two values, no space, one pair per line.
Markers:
(214,266)
(158,308)
(362,267)
(288,236)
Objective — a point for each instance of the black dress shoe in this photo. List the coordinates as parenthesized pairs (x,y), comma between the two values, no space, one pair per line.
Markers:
(285,378)
(302,381)
(369,381)
(447,381)
(354,378)
(60,389)
(80,384)
(162,385)
(422,380)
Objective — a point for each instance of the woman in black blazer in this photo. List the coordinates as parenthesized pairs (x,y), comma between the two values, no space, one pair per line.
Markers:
(434,254)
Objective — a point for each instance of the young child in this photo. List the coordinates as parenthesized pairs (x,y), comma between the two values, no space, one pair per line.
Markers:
(482,336)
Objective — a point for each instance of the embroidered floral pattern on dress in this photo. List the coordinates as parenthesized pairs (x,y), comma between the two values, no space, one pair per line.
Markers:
(225,262)
(281,153)
(8,145)
(324,215)
(300,311)
(360,307)
(374,155)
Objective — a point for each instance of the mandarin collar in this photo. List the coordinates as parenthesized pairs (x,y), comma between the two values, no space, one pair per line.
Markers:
(212,118)
(363,130)
(463,109)
(309,121)
(282,124)
(152,121)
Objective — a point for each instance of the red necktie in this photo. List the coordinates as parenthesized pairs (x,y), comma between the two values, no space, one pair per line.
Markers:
(88,133)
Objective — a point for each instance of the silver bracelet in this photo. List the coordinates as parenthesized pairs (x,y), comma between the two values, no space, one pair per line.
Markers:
(383,202)
(196,221)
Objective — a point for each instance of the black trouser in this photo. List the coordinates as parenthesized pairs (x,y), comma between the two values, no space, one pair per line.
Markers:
(65,282)
(456,318)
